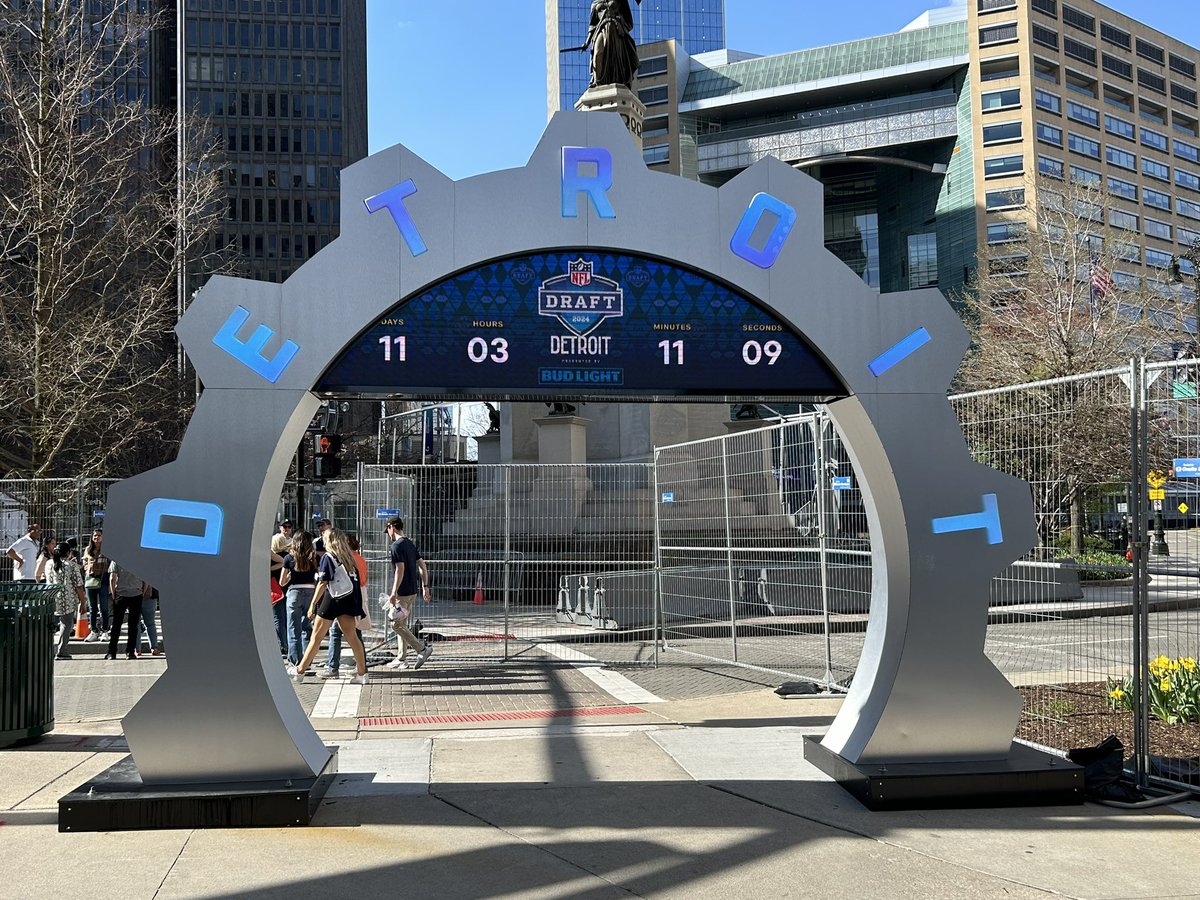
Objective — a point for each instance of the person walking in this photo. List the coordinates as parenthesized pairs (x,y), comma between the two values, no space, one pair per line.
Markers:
(338,597)
(63,570)
(299,578)
(147,624)
(95,582)
(409,571)
(24,553)
(127,591)
(281,544)
(333,664)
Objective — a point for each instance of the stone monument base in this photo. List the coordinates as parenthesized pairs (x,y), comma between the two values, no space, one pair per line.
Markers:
(116,800)
(1026,777)
(619,99)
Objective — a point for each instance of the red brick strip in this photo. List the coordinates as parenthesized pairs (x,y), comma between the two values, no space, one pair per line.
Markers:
(376,721)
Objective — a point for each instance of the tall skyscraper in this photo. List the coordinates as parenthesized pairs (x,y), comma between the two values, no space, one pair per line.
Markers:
(284,84)
(698,26)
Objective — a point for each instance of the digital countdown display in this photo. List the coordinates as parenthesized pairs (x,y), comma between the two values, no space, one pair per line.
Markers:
(581,324)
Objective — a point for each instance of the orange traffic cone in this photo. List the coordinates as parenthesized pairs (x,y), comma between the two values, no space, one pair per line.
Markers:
(479,589)
(82,628)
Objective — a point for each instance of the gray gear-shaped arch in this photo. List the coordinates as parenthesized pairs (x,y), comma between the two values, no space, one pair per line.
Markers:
(198,528)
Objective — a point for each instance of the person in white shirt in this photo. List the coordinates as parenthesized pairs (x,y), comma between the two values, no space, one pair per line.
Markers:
(24,554)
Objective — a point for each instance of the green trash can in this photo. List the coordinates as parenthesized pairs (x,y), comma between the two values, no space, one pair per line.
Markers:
(27,625)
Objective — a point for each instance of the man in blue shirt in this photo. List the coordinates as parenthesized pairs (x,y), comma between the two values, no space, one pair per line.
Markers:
(410,571)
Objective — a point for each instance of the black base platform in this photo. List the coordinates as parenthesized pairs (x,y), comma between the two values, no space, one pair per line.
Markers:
(116,800)
(1027,777)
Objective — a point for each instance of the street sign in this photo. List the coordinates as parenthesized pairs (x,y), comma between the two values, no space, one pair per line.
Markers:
(1157,494)
(842,483)
(668,497)
(98,514)
(386,513)
(1156,479)
(1189,467)
(1158,505)
(1183,508)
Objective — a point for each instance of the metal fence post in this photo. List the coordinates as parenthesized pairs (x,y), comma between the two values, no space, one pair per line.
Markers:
(1137,495)
(507,495)
(729,550)
(822,424)
(655,499)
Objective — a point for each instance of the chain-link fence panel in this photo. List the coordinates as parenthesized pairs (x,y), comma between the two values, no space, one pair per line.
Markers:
(764,553)
(502,540)
(69,508)
(1061,623)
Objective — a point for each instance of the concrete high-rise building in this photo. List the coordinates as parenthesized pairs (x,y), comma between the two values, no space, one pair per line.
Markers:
(697,26)
(284,84)
(1080,92)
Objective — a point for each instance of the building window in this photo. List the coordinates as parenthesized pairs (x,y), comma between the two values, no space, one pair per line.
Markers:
(1005,232)
(1047,37)
(1047,101)
(1119,188)
(1155,170)
(1085,114)
(1048,134)
(1183,66)
(1118,67)
(1082,84)
(1001,133)
(1115,36)
(1183,124)
(1007,99)
(1182,94)
(1049,7)
(986,6)
(1005,199)
(1157,259)
(655,65)
(656,126)
(1119,127)
(1157,229)
(1187,180)
(1154,139)
(653,96)
(922,260)
(998,166)
(1050,167)
(1186,236)
(1080,20)
(1151,111)
(1118,218)
(1152,82)
(1083,146)
(1149,51)
(996,69)
(1118,98)
(1080,175)
(1004,33)
(1156,199)
(1187,151)
(1079,50)
(1121,158)
(657,155)
(1187,208)
(1045,70)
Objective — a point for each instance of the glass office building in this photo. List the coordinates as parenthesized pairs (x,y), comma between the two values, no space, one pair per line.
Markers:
(283,83)
(698,26)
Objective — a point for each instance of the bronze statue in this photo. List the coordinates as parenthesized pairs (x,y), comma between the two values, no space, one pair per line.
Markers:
(610,38)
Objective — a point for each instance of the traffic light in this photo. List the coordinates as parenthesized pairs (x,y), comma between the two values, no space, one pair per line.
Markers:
(327,461)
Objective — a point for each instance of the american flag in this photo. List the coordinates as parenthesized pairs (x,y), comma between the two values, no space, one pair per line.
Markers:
(1102,281)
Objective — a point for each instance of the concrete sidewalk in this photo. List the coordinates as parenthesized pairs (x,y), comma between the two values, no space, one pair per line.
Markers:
(706,797)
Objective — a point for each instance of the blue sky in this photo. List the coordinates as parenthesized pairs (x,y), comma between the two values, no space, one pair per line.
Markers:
(463,82)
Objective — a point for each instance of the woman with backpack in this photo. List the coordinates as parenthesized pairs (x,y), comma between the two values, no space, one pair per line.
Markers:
(338,597)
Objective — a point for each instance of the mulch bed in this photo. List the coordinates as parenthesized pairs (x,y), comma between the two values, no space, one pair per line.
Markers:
(1077,715)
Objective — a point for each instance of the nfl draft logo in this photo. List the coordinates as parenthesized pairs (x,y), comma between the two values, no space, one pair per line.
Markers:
(581,272)
(581,300)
